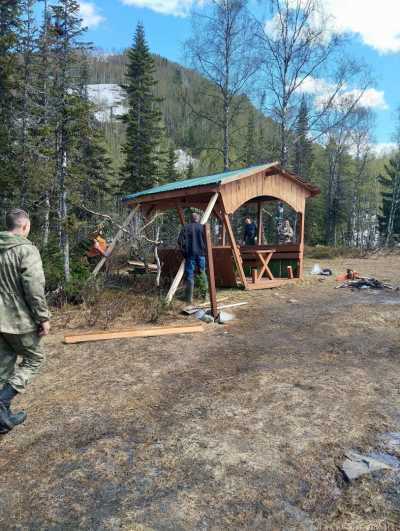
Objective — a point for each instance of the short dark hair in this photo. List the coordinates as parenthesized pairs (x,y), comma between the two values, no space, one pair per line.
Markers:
(15,218)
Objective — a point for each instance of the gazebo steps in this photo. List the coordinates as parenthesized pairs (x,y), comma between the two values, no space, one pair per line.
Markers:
(266,284)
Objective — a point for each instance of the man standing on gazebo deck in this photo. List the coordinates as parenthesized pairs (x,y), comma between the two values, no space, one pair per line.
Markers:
(192,244)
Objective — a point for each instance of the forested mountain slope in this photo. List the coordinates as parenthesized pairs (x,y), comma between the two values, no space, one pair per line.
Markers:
(182,93)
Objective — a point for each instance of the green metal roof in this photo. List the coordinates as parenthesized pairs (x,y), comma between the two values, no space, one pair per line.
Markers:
(196,181)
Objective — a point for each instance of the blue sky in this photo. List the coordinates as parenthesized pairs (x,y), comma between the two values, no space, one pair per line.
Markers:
(374,28)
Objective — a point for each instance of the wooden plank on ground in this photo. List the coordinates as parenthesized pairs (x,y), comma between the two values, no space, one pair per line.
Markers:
(133,332)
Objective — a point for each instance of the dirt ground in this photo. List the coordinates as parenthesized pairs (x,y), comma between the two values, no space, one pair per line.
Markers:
(240,427)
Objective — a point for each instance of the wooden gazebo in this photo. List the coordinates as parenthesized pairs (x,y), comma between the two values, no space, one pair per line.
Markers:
(221,195)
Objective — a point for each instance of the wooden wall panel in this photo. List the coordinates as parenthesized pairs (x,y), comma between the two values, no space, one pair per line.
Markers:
(236,193)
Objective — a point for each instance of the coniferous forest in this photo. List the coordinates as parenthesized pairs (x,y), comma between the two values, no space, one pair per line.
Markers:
(242,98)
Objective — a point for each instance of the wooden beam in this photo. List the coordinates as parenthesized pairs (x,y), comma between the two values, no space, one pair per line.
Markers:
(235,250)
(223,234)
(260,227)
(301,242)
(210,271)
(134,332)
(181,214)
(181,270)
(112,245)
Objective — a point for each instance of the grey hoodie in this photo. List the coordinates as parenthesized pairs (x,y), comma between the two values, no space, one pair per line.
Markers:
(23,303)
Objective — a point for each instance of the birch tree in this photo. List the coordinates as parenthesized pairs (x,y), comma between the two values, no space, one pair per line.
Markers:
(223,49)
(301,53)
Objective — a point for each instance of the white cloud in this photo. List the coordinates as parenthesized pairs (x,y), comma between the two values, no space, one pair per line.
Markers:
(322,90)
(377,23)
(312,85)
(384,148)
(178,8)
(371,99)
(90,14)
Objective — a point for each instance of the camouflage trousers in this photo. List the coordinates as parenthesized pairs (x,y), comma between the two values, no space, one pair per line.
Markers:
(28,347)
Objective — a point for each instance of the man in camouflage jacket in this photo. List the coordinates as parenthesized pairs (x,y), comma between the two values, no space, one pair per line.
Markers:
(24,315)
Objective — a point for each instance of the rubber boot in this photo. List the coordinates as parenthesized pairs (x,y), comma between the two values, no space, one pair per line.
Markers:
(8,420)
(189,291)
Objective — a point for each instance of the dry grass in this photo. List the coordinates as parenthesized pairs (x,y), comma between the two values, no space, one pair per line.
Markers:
(239,428)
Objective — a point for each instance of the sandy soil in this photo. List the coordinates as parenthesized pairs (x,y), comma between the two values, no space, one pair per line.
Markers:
(241,427)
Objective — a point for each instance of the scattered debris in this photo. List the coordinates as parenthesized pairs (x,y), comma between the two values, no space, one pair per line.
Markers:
(190,310)
(202,315)
(365,283)
(349,275)
(356,465)
(134,332)
(317,270)
(225,317)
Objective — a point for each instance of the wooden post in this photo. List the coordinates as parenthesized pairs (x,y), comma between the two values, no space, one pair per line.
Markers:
(210,271)
(112,245)
(181,214)
(260,227)
(181,270)
(301,250)
(223,234)
(235,250)
(220,218)
(290,272)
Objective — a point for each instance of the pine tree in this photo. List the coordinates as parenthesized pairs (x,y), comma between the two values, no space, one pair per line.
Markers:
(389,221)
(190,170)
(9,25)
(67,109)
(143,119)
(303,155)
(170,171)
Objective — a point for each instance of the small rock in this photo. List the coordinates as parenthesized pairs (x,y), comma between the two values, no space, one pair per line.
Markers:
(356,465)
(293,301)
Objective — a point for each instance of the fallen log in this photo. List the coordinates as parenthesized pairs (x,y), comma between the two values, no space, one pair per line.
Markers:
(133,332)
(142,265)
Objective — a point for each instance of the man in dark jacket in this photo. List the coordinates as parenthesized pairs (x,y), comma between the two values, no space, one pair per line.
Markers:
(250,232)
(24,316)
(192,244)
